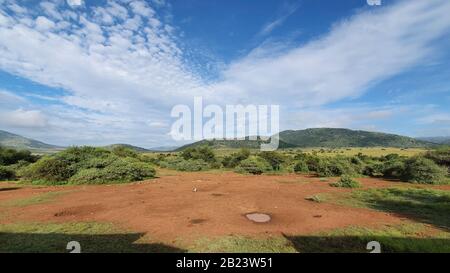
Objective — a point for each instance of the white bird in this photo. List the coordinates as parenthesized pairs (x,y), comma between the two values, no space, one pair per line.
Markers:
(194,189)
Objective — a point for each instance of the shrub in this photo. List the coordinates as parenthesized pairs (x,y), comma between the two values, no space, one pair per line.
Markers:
(424,171)
(49,169)
(253,165)
(122,151)
(440,156)
(12,156)
(273,158)
(337,166)
(119,171)
(346,182)
(204,153)
(301,167)
(374,168)
(393,168)
(6,173)
(234,159)
(180,164)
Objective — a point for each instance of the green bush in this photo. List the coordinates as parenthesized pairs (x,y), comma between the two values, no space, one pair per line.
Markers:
(122,151)
(87,165)
(234,159)
(301,167)
(6,173)
(180,164)
(253,165)
(204,153)
(424,171)
(337,166)
(393,168)
(346,182)
(273,158)
(119,171)
(12,156)
(440,156)
(49,169)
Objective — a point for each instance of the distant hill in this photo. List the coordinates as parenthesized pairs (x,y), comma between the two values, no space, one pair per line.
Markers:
(437,140)
(134,148)
(339,137)
(164,148)
(232,144)
(11,140)
(323,137)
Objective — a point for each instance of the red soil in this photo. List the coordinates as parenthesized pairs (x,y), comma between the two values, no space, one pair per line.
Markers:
(168,208)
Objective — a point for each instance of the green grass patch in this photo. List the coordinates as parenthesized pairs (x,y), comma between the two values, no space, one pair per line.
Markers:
(242,244)
(402,238)
(425,205)
(93,237)
(39,199)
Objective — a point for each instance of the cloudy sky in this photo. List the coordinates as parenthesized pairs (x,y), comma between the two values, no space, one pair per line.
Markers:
(110,71)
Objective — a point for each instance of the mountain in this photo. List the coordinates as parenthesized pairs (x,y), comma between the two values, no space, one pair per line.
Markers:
(322,137)
(11,140)
(134,148)
(163,148)
(232,144)
(339,137)
(437,140)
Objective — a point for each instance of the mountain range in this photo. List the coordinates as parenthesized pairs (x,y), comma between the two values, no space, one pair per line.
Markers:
(315,137)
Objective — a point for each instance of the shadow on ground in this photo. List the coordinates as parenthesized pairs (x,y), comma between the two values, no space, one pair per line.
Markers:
(9,189)
(346,244)
(427,206)
(57,242)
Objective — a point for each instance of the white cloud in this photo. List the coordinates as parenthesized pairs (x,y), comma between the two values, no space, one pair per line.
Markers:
(23,118)
(356,54)
(122,65)
(43,24)
(75,2)
(287,12)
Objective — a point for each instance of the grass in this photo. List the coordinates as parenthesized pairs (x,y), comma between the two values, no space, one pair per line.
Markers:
(429,206)
(93,237)
(39,199)
(402,238)
(243,244)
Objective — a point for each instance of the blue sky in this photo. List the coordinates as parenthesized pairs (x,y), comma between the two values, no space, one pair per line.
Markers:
(100,72)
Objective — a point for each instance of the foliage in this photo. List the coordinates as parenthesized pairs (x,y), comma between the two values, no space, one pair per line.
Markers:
(6,173)
(204,153)
(424,171)
(122,151)
(181,164)
(119,171)
(253,165)
(275,159)
(235,158)
(346,182)
(12,156)
(301,167)
(88,165)
(50,169)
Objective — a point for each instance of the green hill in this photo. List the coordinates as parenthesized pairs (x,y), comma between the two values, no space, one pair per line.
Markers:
(134,148)
(322,137)
(338,137)
(438,140)
(19,142)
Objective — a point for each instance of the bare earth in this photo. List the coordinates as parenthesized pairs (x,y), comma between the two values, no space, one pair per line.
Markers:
(169,207)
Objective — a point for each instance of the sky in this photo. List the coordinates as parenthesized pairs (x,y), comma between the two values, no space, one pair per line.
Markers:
(96,72)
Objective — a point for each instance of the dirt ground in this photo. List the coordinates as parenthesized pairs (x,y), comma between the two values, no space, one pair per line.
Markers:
(193,205)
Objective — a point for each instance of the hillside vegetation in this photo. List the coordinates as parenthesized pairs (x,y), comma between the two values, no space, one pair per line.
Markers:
(322,137)
(19,142)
